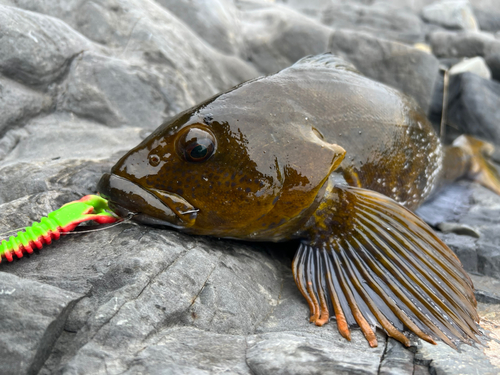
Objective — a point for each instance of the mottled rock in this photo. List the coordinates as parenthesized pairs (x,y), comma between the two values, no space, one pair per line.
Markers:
(452,14)
(32,316)
(408,69)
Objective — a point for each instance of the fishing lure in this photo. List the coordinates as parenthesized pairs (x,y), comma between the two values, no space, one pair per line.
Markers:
(58,222)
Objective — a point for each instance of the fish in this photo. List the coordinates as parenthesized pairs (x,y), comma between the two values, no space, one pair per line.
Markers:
(318,153)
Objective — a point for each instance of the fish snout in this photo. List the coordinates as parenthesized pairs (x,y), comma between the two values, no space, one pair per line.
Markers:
(148,207)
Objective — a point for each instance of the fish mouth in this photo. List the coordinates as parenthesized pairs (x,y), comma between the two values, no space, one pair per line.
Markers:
(147,206)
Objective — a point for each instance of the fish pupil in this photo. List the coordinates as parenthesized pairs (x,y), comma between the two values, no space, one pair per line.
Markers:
(199,152)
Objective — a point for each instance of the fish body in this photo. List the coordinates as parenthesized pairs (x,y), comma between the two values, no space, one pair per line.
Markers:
(320,153)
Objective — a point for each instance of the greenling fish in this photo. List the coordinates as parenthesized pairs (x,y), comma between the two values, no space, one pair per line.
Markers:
(318,152)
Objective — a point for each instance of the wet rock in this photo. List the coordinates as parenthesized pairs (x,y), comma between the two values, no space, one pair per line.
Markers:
(276,37)
(32,316)
(408,69)
(452,14)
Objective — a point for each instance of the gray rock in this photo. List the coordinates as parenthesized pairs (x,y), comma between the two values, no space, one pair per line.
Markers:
(276,37)
(154,300)
(385,20)
(472,106)
(298,353)
(452,14)
(32,316)
(461,44)
(475,65)
(216,21)
(468,44)
(468,360)
(488,20)
(406,68)
(35,49)
(19,103)
(97,86)
(397,360)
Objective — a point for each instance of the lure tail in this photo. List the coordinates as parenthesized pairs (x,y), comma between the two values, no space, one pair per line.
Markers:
(61,221)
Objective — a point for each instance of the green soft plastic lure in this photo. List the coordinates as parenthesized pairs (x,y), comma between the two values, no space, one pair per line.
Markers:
(61,221)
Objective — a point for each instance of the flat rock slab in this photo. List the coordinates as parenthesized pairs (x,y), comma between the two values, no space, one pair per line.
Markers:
(32,316)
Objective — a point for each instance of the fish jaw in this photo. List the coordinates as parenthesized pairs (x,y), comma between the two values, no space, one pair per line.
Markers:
(151,207)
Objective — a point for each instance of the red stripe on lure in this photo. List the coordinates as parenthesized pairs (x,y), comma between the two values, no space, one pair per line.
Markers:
(61,221)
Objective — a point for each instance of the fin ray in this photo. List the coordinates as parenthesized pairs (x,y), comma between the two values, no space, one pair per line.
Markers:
(382,266)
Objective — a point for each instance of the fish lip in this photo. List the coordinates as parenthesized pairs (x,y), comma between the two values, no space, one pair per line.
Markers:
(127,198)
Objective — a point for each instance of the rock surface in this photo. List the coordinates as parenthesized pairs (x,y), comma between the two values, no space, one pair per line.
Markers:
(82,82)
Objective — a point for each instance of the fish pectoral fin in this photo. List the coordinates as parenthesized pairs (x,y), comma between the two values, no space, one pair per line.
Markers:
(387,269)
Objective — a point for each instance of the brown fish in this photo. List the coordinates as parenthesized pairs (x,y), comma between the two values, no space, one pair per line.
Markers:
(320,153)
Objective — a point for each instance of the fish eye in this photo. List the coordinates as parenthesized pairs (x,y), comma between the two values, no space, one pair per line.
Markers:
(154,160)
(195,144)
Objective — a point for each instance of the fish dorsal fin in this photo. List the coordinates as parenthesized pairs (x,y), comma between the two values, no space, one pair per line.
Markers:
(326,60)
(381,265)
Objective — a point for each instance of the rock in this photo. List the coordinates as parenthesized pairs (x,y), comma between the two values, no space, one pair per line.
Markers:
(19,103)
(276,37)
(288,353)
(461,44)
(449,44)
(215,21)
(475,65)
(152,300)
(397,360)
(452,14)
(408,69)
(487,20)
(472,103)
(32,316)
(97,86)
(385,20)
(445,360)
(465,247)
(35,49)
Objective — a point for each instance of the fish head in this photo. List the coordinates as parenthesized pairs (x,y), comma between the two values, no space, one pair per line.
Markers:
(221,169)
